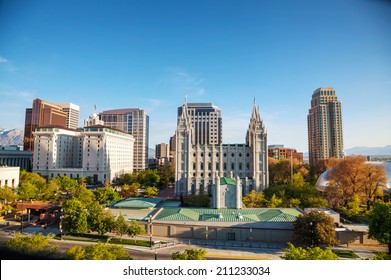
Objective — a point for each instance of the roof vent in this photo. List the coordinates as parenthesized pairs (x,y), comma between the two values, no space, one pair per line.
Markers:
(240,216)
(220,215)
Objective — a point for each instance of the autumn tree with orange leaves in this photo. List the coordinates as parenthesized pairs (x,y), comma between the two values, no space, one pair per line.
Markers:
(352,177)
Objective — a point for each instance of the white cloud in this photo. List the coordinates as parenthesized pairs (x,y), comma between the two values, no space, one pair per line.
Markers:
(3,60)
(7,65)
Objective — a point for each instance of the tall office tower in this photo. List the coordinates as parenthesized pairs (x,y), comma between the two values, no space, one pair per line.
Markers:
(161,150)
(136,122)
(206,121)
(72,111)
(42,113)
(325,138)
(197,167)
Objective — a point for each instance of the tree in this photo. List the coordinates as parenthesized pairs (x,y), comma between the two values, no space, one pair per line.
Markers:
(99,251)
(353,176)
(135,229)
(196,200)
(380,224)
(253,199)
(104,223)
(299,253)
(36,244)
(190,254)
(121,226)
(314,229)
(7,194)
(130,190)
(151,191)
(167,177)
(274,202)
(376,178)
(75,253)
(76,223)
(27,190)
(105,194)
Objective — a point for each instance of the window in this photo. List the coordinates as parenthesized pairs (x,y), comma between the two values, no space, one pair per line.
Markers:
(231,236)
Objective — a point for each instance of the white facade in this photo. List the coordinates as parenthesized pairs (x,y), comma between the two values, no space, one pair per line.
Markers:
(197,165)
(98,152)
(72,111)
(93,120)
(136,122)
(9,176)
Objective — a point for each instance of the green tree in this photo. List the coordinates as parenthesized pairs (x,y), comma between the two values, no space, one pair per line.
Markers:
(36,244)
(380,224)
(190,254)
(151,191)
(121,226)
(352,208)
(298,253)
(167,177)
(76,223)
(253,199)
(99,251)
(7,194)
(75,253)
(199,200)
(274,202)
(135,229)
(27,190)
(105,223)
(106,194)
(314,229)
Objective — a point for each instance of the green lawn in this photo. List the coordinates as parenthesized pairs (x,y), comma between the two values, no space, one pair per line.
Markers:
(345,254)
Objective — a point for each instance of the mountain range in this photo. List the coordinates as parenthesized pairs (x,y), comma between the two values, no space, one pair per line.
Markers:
(15,137)
(11,137)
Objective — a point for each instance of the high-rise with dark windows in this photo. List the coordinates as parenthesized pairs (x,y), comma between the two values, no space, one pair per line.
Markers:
(325,137)
(136,122)
(206,122)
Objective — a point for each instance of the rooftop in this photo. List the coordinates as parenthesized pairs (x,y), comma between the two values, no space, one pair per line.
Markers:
(229,215)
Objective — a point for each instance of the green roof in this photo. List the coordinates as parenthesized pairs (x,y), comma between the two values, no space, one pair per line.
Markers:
(229,215)
(133,202)
(227,181)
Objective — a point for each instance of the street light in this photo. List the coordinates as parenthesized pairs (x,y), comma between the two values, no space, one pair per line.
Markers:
(206,233)
(60,225)
(21,218)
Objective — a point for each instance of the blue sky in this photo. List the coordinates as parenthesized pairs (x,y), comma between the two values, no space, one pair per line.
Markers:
(149,54)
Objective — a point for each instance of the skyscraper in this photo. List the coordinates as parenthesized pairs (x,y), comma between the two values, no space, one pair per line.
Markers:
(325,138)
(136,122)
(41,114)
(206,121)
(72,111)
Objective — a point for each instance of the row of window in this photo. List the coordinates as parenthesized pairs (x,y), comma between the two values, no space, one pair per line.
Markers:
(225,154)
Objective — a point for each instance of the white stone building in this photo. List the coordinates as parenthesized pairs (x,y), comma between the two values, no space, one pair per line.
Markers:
(9,176)
(96,151)
(197,165)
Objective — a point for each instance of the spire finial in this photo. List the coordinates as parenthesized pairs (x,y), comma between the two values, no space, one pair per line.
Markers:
(186,98)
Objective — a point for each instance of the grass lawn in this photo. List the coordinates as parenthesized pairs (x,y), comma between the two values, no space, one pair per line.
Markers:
(345,254)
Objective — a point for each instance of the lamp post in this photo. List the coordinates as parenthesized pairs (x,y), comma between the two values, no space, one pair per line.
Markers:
(312,234)
(21,218)
(60,225)
(206,233)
